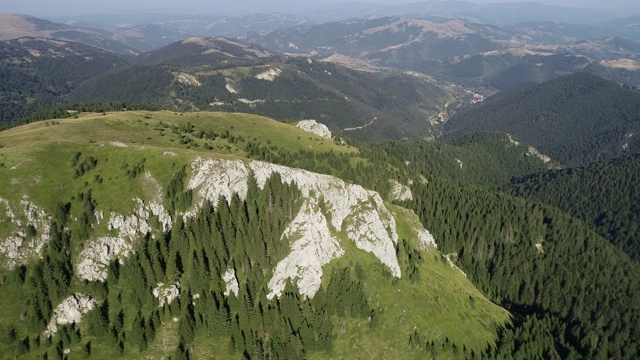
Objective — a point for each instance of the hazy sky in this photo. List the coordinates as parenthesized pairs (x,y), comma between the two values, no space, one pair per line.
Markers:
(75,7)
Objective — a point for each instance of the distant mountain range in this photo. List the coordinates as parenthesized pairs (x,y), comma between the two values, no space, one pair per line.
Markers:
(467,53)
(15,26)
(383,78)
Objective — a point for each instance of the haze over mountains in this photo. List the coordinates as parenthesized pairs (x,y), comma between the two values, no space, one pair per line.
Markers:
(465,59)
(442,179)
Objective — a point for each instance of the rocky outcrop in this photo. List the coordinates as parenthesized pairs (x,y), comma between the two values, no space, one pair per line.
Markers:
(269,75)
(367,229)
(359,212)
(214,178)
(313,246)
(399,192)
(95,257)
(425,239)
(70,311)
(97,254)
(166,293)
(229,278)
(118,144)
(32,232)
(370,225)
(187,79)
(315,127)
(230,89)
(155,206)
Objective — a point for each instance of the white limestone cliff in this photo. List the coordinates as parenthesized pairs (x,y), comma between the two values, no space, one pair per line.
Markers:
(269,75)
(359,212)
(315,127)
(452,264)
(399,192)
(166,293)
(156,206)
(94,259)
(376,228)
(20,247)
(213,178)
(229,278)
(70,311)
(313,246)
(425,239)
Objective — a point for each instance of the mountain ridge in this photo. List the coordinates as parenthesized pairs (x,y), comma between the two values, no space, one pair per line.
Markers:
(371,234)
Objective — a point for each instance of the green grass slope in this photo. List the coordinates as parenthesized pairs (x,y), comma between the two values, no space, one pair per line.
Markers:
(97,163)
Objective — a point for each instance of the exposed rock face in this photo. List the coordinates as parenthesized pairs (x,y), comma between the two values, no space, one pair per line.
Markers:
(269,75)
(19,248)
(70,311)
(367,229)
(155,206)
(166,293)
(97,254)
(231,281)
(9,213)
(315,128)
(370,225)
(312,247)
(230,89)
(531,151)
(188,79)
(359,212)
(399,192)
(214,178)
(425,239)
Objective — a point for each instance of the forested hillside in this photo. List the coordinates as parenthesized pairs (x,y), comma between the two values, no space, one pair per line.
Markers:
(163,239)
(572,294)
(368,106)
(575,119)
(488,159)
(605,195)
(550,270)
(39,73)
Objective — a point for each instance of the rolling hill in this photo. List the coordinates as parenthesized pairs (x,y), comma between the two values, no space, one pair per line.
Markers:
(470,54)
(213,52)
(15,26)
